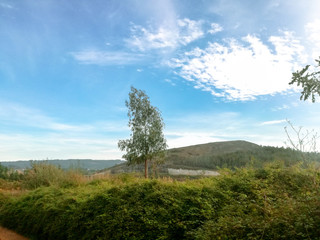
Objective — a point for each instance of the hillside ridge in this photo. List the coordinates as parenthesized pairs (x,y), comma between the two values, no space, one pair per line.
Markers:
(196,157)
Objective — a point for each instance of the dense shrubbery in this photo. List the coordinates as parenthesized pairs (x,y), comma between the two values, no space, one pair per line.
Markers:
(40,174)
(44,174)
(9,174)
(273,202)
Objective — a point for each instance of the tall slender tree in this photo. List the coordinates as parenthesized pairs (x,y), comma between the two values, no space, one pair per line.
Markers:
(147,140)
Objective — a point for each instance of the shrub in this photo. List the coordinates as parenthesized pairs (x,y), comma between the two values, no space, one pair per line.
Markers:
(270,203)
(44,174)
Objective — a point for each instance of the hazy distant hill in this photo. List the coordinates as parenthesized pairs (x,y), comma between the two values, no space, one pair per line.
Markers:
(230,154)
(87,164)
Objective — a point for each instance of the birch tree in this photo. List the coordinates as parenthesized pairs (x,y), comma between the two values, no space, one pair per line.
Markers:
(147,140)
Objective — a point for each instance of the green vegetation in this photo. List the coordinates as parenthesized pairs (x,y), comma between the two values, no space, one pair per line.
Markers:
(231,154)
(273,202)
(147,142)
(261,193)
(40,174)
(8,174)
(309,81)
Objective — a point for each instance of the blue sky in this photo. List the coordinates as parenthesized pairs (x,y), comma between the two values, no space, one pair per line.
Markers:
(218,70)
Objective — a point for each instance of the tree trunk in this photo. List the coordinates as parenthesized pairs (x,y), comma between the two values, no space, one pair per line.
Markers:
(146,168)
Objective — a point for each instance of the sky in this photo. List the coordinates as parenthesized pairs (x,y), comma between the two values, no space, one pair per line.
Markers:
(218,70)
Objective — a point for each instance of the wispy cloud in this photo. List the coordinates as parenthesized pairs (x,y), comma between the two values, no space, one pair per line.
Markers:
(18,115)
(6,5)
(170,82)
(282,107)
(138,47)
(242,70)
(215,27)
(273,122)
(166,36)
(107,57)
(34,135)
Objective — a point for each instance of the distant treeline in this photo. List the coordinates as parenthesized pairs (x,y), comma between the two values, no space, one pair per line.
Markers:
(86,164)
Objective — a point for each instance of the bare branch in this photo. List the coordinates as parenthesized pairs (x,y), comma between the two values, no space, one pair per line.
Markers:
(301,140)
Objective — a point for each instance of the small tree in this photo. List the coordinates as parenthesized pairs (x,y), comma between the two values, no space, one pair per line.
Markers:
(303,141)
(4,172)
(310,82)
(147,140)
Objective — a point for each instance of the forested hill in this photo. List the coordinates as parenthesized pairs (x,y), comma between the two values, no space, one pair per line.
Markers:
(86,164)
(229,154)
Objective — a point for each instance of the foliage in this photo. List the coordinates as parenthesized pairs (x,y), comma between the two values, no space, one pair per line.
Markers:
(9,174)
(274,202)
(3,172)
(45,174)
(147,140)
(310,82)
(256,157)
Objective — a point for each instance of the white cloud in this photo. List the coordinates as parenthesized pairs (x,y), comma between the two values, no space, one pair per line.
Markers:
(215,27)
(107,58)
(166,36)
(273,122)
(242,70)
(182,139)
(313,36)
(189,30)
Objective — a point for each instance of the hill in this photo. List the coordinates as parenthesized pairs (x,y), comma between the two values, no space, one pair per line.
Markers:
(87,164)
(230,154)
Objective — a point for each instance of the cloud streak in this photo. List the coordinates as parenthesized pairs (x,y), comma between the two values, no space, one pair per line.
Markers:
(107,57)
(274,122)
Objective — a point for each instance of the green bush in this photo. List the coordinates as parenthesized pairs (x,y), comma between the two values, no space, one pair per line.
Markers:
(270,203)
(44,174)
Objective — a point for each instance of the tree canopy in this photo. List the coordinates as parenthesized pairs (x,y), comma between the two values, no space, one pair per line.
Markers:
(147,140)
(309,81)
